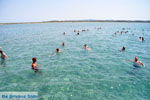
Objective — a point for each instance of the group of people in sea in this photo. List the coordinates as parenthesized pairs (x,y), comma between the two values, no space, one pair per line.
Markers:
(136,61)
(123,31)
(58,50)
(83,30)
(34,59)
(141,38)
(85,46)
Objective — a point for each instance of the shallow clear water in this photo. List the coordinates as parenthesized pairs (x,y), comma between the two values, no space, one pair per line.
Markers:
(76,74)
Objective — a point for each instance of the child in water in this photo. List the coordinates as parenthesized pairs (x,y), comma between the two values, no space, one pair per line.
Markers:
(34,64)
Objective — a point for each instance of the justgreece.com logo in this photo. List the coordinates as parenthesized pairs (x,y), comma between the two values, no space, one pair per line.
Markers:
(18,95)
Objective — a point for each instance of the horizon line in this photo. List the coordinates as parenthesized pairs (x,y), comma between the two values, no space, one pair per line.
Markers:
(80,20)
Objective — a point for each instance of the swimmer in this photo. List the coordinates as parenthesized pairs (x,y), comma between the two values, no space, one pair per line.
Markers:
(83,30)
(126,31)
(121,32)
(3,54)
(86,47)
(78,33)
(142,39)
(63,44)
(64,33)
(123,48)
(58,50)
(99,28)
(136,60)
(34,64)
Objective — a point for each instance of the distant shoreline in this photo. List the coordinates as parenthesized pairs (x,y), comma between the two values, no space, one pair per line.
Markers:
(75,21)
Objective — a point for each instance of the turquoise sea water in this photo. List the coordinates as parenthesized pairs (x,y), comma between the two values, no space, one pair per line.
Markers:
(75,74)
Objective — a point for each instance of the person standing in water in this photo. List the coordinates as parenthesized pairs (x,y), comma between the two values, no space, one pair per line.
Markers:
(3,54)
(34,64)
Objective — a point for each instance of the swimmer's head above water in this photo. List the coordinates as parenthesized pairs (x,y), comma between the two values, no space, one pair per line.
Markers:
(1,51)
(58,50)
(34,59)
(123,48)
(63,44)
(142,38)
(85,46)
(136,59)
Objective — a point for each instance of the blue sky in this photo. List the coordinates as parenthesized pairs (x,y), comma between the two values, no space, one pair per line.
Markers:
(45,10)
